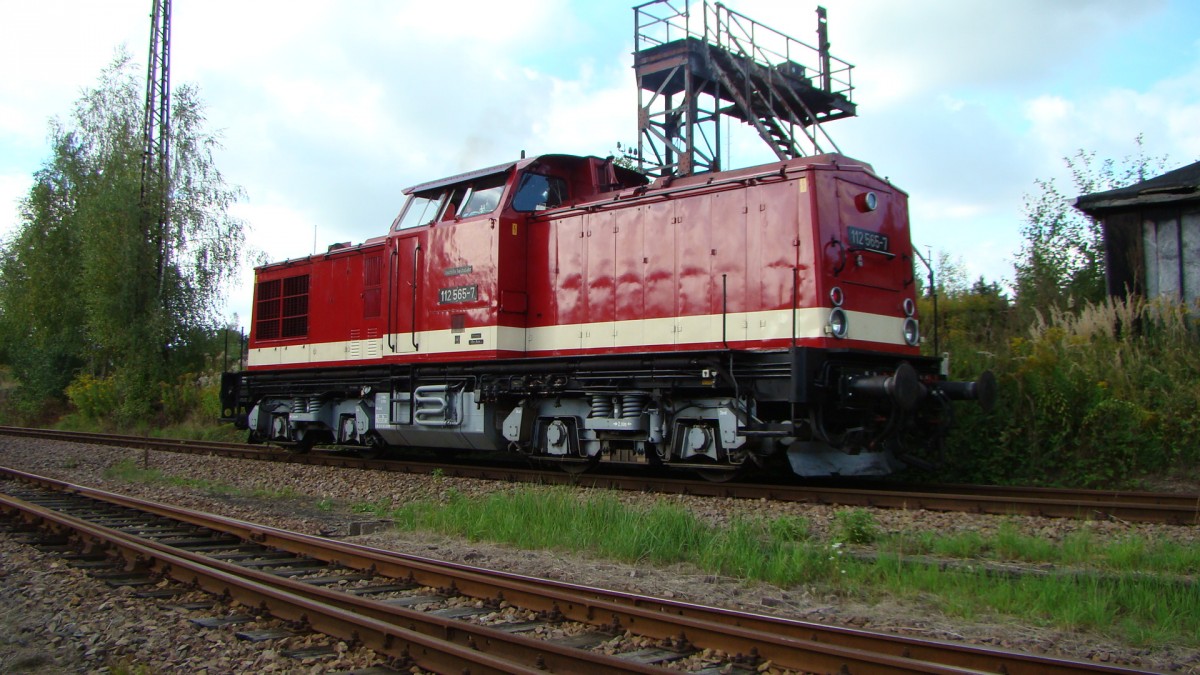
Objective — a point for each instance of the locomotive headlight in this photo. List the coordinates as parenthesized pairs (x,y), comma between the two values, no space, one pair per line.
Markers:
(867,202)
(910,307)
(912,332)
(836,296)
(839,324)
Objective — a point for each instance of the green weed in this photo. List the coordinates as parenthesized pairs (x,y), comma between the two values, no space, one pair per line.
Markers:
(855,526)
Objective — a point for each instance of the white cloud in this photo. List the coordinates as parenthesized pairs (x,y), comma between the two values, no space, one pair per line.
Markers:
(1108,120)
(587,115)
(54,48)
(913,49)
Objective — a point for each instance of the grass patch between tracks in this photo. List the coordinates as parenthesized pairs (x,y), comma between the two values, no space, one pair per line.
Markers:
(128,470)
(1078,549)
(1113,588)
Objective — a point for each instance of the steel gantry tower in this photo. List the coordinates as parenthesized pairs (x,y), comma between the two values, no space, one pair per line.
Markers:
(691,71)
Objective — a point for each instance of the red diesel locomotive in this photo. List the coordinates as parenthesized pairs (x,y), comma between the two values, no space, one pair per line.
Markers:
(568,309)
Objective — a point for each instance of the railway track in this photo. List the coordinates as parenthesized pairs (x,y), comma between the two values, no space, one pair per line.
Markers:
(441,616)
(1145,507)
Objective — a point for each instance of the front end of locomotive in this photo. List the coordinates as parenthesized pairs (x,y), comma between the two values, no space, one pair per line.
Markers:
(870,414)
(866,399)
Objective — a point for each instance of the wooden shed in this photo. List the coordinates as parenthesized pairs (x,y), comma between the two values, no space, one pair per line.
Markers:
(1152,235)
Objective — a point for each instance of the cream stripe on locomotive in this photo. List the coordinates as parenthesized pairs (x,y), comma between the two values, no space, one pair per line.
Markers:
(748,326)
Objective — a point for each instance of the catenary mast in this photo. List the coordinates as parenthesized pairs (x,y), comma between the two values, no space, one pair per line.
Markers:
(156,137)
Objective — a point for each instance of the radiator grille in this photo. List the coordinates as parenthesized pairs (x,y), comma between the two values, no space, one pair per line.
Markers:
(282,308)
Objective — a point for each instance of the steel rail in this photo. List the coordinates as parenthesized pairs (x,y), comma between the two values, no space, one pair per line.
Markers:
(1180,509)
(382,637)
(787,643)
(437,643)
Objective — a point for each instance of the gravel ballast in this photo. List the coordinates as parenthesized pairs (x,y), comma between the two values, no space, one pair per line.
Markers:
(99,628)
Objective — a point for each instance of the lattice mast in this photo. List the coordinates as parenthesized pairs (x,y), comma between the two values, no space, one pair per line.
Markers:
(692,71)
(156,136)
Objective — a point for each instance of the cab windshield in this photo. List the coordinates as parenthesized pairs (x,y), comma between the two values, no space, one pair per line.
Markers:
(484,196)
(420,210)
(453,202)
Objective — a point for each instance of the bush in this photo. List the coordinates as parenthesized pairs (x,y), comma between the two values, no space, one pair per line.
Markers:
(191,397)
(94,398)
(180,398)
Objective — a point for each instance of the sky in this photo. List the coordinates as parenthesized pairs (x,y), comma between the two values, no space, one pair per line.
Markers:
(328,110)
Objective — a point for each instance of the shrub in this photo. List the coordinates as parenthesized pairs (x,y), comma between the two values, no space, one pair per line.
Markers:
(94,398)
(190,397)
(179,398)
(855,526)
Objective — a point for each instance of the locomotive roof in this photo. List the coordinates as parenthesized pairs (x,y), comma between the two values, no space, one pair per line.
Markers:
(626,175)
(442,182)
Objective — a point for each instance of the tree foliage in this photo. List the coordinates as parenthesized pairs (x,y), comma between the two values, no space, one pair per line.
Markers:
(970,315)
(89,281)
(1061,263)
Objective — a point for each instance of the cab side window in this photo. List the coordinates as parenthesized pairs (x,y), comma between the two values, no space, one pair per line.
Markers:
(448,203)
(536,192)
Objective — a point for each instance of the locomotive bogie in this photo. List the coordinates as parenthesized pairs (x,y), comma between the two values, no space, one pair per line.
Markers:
(630,427)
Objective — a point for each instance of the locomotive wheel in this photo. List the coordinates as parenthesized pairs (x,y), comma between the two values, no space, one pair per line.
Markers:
(578,466)
(719,475)
(369,452)
(302,446)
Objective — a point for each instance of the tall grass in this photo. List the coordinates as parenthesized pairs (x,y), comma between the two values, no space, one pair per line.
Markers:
(1100,396)
(1134,608)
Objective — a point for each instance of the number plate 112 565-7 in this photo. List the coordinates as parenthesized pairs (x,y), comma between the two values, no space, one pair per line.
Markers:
(866,239)
(457,294)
